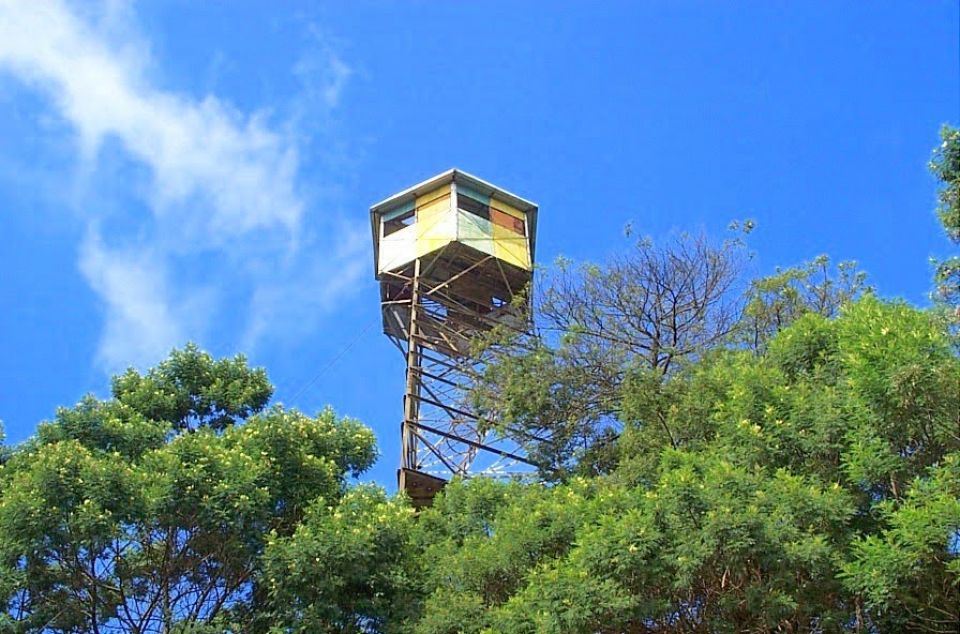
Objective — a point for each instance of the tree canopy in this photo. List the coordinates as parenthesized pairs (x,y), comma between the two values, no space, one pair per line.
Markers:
(812,487)
(945,166)
(150,511)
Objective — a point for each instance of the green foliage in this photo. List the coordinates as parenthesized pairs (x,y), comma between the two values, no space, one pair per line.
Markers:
(811,484)
(347,568)
(776,301)
(709,543)
(108,426)
(645,316)
(808,486)
(191,389)
(903,399)
(4,450)
(151,511)
(888,567)
(945,166)
(544,398)
(656,307)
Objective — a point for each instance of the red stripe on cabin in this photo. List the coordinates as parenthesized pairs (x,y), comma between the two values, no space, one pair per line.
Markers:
(506,220)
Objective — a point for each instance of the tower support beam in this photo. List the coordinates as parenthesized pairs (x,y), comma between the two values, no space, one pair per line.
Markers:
(411,405)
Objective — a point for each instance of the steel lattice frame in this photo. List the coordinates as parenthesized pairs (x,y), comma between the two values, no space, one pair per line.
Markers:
(431,319)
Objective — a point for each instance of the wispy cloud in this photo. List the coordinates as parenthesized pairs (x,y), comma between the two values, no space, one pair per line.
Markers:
(217,179)
(322,73)
(242,170)
(144,318)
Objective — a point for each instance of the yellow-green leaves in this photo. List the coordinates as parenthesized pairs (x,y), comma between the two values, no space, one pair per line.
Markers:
(191,389)
(348,567)
(151,511)
(812,485)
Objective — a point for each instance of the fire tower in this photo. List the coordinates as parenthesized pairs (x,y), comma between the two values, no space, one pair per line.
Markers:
(451,254)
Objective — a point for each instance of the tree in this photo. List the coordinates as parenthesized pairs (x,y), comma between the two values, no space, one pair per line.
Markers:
(810,486)
(657,307)
(776,301)
(346,569)
(4,450)
(945,165)
(151,511)
(191,390)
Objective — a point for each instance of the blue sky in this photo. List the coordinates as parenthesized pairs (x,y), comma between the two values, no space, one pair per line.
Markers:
(174,171)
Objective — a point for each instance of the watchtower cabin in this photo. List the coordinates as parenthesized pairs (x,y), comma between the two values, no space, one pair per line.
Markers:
(451,255)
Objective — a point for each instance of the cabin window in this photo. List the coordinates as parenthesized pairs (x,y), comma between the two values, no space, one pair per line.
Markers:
(473,206)
(395,224)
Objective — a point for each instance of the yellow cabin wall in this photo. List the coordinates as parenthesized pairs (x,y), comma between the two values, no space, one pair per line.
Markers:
(436,224)
(511,247)
(425,199)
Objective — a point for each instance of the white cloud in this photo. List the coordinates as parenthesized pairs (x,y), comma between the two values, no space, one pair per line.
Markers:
(144,320)
(244,172)
(322,73)
(217,179)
